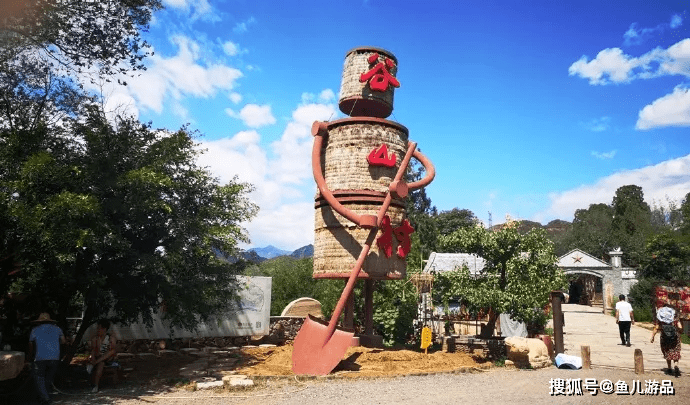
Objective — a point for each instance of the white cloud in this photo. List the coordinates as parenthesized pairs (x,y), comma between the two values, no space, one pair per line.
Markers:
(636,36)
(177,77)
(235,97)
(676,21)
(284,189)
(230,48)
(670,110)
(597,124)
(604,155)
(611,65)
(253,115)
(243,26)
(202,8)
(670,179)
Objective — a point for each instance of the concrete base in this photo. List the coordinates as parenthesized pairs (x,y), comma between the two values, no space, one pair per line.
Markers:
(355,341)
(371,341)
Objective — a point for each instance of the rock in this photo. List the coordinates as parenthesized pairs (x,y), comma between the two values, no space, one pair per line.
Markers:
(189,350)
(146,356)
(237,380)
(210,384)
(124,356)
(526,352)
(11,364)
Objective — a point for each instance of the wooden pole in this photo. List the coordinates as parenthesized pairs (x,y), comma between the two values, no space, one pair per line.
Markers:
(586,362)
(639,363)
(557,322)
(369,307)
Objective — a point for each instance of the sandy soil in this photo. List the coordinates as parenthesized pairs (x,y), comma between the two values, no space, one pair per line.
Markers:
(361,362)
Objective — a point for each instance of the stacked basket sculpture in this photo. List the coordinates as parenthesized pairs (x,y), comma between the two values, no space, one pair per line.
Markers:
(359,165)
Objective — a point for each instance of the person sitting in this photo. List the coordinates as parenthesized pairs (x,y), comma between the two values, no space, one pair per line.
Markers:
(670,329)
(103,351)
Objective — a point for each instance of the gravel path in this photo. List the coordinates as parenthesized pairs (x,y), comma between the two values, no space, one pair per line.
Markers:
(495,386)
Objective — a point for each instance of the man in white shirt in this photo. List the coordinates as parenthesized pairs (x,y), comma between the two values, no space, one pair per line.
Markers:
(624,317)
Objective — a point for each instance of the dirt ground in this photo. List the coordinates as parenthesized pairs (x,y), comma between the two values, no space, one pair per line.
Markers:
(360,362)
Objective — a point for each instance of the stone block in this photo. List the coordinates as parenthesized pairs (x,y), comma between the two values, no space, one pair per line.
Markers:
(124,356)
(189,350)
(146,356)
(525,352)
(210,384)
(11,364)
(210,349)
(237,380)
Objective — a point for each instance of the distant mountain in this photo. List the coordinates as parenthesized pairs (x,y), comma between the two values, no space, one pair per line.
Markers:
(269,252)
(304,251)
(247,256)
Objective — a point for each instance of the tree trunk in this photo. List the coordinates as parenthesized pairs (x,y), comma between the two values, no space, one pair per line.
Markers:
(87,321)
(488,330)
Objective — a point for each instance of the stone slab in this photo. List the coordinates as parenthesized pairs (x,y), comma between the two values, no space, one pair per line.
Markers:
(210,384)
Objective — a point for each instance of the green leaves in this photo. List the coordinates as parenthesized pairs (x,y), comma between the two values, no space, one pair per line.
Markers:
(519,273)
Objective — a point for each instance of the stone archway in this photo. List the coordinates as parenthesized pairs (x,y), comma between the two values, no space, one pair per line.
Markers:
(586,288)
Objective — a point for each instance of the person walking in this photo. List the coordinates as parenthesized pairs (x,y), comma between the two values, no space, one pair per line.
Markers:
(670,328)
(624,317)
(44,343)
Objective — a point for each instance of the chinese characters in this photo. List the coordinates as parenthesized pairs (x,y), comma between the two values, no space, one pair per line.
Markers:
(379,76)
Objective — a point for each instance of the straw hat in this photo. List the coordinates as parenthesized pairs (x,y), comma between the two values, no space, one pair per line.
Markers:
(44,317)
(665,314)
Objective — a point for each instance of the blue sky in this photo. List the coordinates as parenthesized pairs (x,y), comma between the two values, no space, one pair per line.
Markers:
(531,109)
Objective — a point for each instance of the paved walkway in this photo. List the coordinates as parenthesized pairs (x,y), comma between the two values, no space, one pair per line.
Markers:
(588,326)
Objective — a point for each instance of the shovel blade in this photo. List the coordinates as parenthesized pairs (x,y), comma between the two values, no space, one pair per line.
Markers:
(315,353)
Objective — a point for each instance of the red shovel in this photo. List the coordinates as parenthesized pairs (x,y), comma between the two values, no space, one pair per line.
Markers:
(319,347)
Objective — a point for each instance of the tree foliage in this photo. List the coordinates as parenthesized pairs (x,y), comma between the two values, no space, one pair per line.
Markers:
(519,273)
(631,223)
(77,35)
(292,279)
(121,218)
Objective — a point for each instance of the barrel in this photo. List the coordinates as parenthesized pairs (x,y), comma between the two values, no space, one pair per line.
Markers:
(357,98)
(361,187)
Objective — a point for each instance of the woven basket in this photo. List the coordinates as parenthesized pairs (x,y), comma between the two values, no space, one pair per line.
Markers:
(359,187)
(358,99)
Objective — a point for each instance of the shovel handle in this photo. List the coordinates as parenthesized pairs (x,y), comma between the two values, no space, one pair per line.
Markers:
(367,245)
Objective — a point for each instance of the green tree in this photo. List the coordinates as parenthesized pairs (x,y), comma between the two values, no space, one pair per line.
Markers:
(122,218)
(395,309)
(77,35)
(519,273)
(665,258)
(632,222)
(420,213)
(450,221)
(591,230)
